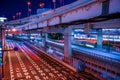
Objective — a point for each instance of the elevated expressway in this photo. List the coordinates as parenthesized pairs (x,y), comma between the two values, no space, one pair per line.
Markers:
(82,14)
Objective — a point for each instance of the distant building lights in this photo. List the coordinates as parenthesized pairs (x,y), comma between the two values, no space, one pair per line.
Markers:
(28,3)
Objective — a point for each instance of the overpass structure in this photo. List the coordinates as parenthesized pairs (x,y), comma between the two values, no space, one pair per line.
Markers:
(87,15)
(84,14)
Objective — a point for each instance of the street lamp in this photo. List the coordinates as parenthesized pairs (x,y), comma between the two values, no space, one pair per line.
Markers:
(54,2)
(42,5)
(28,3)
(2,40)
(19,14)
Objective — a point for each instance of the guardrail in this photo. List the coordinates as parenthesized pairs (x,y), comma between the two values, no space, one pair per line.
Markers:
(71,61)
(99,56)
(97,67)
(43,51)
(93,54)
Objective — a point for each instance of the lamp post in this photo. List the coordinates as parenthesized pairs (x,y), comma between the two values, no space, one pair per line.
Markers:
(28,3)
(1,30)
(30,10)
(19,14)
(13,17)
(2,41)
(42,5)
(54,2)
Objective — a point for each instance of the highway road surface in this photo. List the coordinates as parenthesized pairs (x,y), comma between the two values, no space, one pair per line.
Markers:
(24,64)
(108,55)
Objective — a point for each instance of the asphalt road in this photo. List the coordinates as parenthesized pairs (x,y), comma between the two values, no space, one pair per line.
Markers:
(24,64)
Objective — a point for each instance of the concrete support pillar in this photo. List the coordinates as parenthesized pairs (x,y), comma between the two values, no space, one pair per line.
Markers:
(67,42)
(28,35)
(44,37)
(40,34)
(72,37)
(99,38)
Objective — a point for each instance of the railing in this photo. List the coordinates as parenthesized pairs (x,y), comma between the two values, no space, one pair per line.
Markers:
(99,56)
(96,65)
(55,12)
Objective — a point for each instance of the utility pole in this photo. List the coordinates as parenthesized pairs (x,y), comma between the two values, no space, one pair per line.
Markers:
(3,39)
(3,47)
(54,2)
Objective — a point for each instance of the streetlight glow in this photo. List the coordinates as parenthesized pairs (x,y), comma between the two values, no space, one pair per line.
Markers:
(29,11)
(19,14)
(29,3)
(54,2)
(42,5)
(14,30)
(2,19)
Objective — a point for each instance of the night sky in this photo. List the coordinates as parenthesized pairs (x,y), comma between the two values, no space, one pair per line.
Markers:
(9,8)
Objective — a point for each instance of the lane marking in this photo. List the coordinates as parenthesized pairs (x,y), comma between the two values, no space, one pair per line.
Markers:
(33,72)
(23,67)
(10,66)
